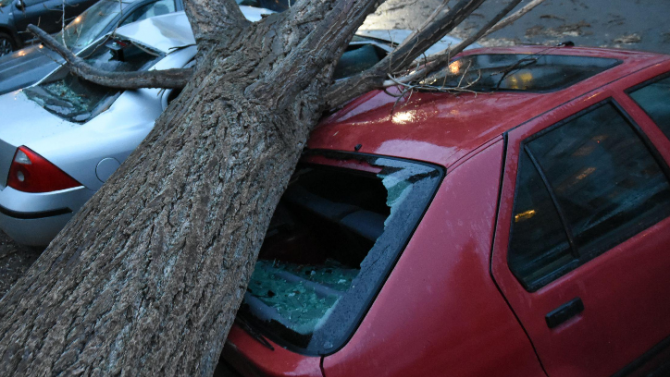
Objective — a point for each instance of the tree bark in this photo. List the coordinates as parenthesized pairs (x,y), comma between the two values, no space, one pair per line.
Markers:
(146,279)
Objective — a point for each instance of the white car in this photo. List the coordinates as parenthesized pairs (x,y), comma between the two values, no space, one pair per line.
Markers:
(62,138)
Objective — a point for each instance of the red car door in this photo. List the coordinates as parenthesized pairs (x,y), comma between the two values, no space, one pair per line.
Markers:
(581,247)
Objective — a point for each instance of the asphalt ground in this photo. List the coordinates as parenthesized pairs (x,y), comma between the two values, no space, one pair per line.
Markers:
(628,24)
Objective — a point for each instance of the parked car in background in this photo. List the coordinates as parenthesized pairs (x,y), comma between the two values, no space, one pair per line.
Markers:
(80,133)
(16,15)
(30,64)
(518,228)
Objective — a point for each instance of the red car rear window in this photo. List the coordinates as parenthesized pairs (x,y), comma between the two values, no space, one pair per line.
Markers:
(334,237)
(516,72)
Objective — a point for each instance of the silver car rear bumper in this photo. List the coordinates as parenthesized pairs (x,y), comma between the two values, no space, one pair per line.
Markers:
(35,219)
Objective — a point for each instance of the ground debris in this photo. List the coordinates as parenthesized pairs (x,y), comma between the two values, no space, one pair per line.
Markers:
(628,39)
(14,261)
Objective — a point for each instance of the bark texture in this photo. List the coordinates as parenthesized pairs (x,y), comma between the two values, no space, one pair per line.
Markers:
(146,279)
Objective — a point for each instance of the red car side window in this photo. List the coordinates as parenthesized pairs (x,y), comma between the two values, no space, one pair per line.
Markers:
(599,183)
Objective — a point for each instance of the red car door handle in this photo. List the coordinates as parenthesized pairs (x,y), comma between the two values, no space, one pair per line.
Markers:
(564,312)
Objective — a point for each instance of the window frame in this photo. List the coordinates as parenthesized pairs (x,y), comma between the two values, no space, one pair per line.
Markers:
(644,84)
(585,255)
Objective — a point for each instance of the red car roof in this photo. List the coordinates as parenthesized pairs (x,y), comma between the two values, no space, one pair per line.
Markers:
(441,128)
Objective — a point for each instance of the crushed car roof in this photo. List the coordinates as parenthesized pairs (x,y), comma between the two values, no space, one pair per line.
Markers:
(172,30)
(163,33)
(442,128)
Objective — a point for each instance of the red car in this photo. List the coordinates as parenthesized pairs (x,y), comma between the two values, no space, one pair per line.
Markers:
(520,227)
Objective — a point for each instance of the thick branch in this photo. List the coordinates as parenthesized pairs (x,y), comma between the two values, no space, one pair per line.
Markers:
(323,45)
(402,56)
(165,79)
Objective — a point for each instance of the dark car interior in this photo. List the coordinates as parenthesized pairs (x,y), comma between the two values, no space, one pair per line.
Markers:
(321,232)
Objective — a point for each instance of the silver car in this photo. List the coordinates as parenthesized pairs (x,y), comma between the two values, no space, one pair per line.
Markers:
(62,138)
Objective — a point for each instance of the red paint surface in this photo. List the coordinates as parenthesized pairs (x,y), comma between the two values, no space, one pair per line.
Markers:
(624,290)
(442,128)
(440,312)
(252,359)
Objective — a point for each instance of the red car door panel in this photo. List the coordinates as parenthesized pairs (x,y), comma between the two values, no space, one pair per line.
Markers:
(623,289)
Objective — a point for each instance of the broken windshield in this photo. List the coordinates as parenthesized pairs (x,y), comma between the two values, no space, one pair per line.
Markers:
(517,72)
(88,26)
(332,241)
(76,100)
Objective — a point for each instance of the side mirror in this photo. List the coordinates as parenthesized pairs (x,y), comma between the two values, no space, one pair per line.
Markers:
(19,4)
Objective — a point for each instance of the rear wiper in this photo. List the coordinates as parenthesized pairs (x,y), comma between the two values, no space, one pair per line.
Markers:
(254,333)
(521,63)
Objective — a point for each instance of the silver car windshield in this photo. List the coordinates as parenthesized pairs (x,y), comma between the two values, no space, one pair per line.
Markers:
(88,26)
(77,100)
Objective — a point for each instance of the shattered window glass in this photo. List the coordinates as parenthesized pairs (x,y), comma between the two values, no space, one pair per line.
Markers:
(333,239)
(77,100)
(518,72)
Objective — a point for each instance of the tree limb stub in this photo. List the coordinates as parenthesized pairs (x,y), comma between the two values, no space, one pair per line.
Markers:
(211,19)
(164,79)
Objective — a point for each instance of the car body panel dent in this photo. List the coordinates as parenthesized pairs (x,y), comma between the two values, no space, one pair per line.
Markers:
(162,33)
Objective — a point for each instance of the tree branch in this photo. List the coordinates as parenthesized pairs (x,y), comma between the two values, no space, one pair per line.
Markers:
(402,56)
(518,14)
(164,79)
(435,61)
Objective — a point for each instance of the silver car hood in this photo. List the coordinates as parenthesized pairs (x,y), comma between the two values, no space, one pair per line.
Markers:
(24,122)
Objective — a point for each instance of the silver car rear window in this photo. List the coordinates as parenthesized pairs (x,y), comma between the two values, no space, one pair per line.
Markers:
(77,100)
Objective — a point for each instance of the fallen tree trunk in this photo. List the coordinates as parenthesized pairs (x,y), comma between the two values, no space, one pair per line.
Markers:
(146,279)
